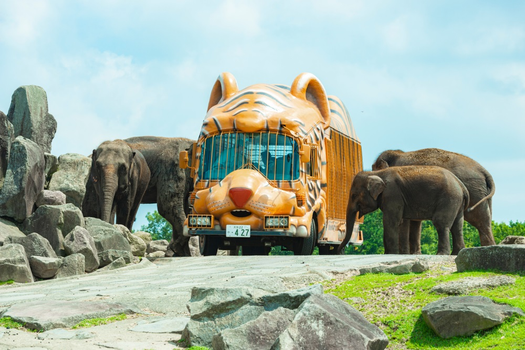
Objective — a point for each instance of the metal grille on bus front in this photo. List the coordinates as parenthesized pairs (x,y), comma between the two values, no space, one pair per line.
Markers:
(344,162)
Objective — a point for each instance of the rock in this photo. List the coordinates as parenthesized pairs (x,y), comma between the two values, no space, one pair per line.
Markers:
(290,299)
(145,236)
(465,285)
(49,314)
(51,167)
(54,222)
(72,265)
(160,245)
(71,177)
(165,325)
(7,228)
(47,197)
(462,316)
(156,255)
(506,258)
(6,138)
(195,249)
(60,333)
(34,245)
(260,333)
(116,264)
(30,118)
(138,247)
(43,267)
(24,179)
(106,236)
(14,264)
(108,256)
(326,322)
(397,268)
(513,240)
(79,241)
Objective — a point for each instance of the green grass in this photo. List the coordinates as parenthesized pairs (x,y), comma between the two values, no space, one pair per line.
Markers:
(394,304)
(8,322)
(6,282)
(92,322)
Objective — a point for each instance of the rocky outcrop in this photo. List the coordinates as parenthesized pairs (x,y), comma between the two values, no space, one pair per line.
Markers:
(71,177)
(465,285)
(30,117)
(72,265)
(506,258)
(462,316)
(6,138)
(110,242)
(397,268)
(34,245)
(79,241)
(51,167)
(54,222)
(14,264)
(138,247)
(247,318)
(24,179)
(160,245)
(513,240)
(44,267)
(47,197)
(7,228)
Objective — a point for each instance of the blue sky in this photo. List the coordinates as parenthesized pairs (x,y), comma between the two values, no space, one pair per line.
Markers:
(413,74)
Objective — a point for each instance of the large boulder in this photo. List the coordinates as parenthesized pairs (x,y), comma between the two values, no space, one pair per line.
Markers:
(47,197)
(30,117)
(72,265)
(513,240)
(138,247)
(34,245)
(506,258)
(54,222)
(71,177)
(462,316)
(51,167)
(14,264)
(24,179)
(465,285)
(7,228)
(6,138)
(160,245)
(109,240)
(44,267)
(79,241)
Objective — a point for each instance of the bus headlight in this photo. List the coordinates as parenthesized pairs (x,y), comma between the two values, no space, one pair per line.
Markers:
(277,222)
(200,221)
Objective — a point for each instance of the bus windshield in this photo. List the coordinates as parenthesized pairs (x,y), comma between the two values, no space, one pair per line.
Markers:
(276,156)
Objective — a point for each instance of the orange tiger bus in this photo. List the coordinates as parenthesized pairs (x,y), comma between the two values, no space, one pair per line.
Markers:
(272,166)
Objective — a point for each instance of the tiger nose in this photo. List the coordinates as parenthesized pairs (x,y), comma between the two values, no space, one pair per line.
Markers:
(240,196)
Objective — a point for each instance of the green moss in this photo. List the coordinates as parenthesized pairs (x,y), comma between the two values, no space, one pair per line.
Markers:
(92,322)
(394,303)
(6,282)
(8,322)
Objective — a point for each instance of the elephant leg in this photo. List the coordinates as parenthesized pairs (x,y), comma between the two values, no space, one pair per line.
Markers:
(443,238)
(122,211)
(391,225)
(481,219)
(457,234)
(404,244)
(415,237)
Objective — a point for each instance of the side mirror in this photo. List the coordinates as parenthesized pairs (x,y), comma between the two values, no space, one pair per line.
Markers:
(183,160)
(305,153)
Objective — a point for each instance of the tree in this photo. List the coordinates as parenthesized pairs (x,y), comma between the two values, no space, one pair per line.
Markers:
(157,226)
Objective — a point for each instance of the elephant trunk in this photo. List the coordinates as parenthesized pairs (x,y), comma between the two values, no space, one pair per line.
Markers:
(350,221)
(109,189)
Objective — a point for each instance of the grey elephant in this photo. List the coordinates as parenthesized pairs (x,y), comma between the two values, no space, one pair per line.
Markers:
(476,178)
(410,193)
(118,179)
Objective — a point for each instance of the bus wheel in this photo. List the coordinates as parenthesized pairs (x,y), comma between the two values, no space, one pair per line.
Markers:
(254,250)
(328,249)
(305,246)
(208,245)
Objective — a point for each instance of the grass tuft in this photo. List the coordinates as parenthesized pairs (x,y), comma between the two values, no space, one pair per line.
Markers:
(92,322)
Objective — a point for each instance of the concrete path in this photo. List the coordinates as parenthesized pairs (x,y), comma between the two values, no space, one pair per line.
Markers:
(160,291)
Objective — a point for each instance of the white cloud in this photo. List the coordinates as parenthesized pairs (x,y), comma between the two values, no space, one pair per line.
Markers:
(396,34)
(492,40)
(234,16)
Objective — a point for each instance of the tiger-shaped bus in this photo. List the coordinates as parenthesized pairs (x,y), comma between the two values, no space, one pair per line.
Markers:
(273,166)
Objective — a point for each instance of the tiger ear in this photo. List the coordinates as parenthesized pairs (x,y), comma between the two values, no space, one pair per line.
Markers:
(224,88)
(307,87)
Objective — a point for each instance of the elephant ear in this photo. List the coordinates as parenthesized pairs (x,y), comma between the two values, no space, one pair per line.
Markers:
(224,88)
(375,186)
(307,87)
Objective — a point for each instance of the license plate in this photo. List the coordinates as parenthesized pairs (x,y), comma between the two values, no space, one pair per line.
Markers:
(238,231)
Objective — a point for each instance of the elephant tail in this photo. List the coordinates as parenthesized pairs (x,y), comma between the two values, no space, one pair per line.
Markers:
(492,187)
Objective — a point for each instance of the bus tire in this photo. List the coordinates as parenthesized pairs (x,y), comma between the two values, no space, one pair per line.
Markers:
(208,245)
(254,250)
(325,249)
(305,246)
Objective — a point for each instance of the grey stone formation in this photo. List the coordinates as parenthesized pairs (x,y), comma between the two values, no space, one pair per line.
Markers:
(30,117)
(14,264)
(110,242)
(108,256)
(34,245)
(163,325)
(79,241)
(506,258)
(145,236)
(72,265)
(6,138)
(462,316)
(24,179)
(44,267)
(7,228)
(465,285)
(513,240)
(71,177)
(47,197)
(397,268)
(248,318)
(54,222)
(138,247)
(51,167)
(160,245)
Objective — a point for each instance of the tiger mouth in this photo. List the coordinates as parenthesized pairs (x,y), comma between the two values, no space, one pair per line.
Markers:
(241,213)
